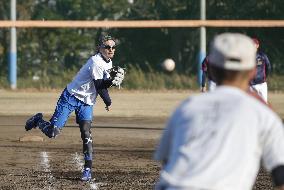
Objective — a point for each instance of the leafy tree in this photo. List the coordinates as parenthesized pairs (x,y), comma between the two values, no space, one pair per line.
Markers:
(49,52)
(4,38)
(271,38)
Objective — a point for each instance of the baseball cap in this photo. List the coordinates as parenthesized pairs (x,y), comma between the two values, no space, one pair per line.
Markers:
(233,51)
(104,38)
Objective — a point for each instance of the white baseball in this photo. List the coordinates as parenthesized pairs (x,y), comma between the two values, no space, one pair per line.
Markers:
(168,65)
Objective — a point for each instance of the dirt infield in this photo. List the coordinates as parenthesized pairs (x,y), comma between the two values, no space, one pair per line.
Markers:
(123,156)
(124,147)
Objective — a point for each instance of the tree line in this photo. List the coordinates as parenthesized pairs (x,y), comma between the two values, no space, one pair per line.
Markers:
(51,52)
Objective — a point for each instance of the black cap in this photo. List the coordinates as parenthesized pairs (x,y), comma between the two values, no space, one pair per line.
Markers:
(104,38)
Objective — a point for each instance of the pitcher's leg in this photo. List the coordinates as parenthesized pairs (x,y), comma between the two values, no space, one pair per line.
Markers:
(66,104)
(48,129)
(84,117)
(45,126)
(85,129)
(32,122)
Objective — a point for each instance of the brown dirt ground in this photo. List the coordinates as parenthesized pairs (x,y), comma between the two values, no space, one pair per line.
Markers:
(124,141)
(123,156)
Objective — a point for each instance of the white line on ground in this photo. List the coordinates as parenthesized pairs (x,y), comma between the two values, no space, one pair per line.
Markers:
(46,167)
(94,186)
(80,164)
(45,161)
(78,161)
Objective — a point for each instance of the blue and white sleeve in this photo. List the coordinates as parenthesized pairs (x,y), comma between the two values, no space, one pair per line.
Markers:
(98,73)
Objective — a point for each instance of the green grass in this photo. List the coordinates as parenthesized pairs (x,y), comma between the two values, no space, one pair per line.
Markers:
(135,79)
(276,83)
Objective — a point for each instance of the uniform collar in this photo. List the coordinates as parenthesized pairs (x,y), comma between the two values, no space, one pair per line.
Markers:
(107,61)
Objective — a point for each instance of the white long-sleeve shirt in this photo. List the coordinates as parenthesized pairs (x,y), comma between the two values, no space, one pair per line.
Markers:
(82,85)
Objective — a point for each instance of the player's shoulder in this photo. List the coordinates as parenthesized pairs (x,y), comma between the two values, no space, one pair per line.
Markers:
(250,103)
(188,105)
(260,106)
(97,59)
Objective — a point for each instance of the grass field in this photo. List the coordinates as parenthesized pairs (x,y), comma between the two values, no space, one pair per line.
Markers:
(125,103)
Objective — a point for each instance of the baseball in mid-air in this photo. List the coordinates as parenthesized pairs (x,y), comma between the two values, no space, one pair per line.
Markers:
(168,65)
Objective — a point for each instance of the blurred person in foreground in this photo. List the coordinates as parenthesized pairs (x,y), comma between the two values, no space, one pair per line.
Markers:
(217,140)
(206,80)
(93,79)
(263,69)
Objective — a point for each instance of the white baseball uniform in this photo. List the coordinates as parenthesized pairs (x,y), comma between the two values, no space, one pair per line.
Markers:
(211,85)
(215,141)
(263,68)
(261,90)
(82,86)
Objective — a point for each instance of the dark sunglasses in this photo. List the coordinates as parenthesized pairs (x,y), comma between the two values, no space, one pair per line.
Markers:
(108,47)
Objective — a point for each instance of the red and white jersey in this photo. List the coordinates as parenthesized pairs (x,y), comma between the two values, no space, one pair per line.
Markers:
(82,86)
(216,141)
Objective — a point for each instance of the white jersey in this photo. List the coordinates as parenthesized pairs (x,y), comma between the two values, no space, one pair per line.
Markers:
(82,86)
(261,90)
(215,141)
(211,85)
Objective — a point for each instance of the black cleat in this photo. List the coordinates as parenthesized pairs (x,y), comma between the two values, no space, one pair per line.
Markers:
(32,122)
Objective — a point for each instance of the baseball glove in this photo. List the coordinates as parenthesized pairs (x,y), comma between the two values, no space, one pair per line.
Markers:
(117,75)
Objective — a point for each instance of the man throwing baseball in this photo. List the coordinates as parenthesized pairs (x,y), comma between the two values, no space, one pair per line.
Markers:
(217,140)
(80,95)
(263,68)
